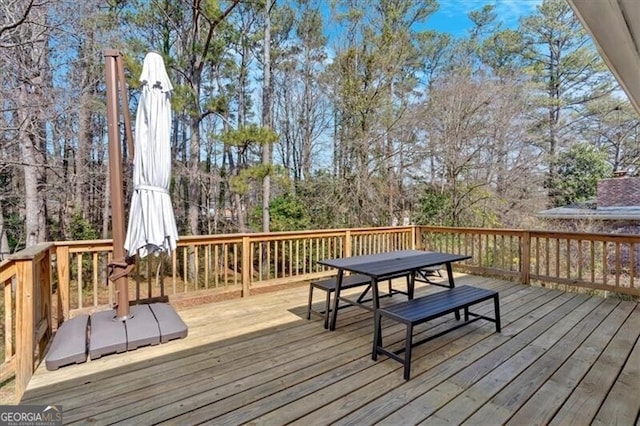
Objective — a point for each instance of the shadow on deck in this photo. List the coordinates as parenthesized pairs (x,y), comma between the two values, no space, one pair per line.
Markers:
(560,357)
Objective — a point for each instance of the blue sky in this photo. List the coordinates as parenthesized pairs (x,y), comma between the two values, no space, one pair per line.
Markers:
(451,17)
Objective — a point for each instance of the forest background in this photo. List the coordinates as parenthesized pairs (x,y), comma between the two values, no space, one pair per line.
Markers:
(308,114)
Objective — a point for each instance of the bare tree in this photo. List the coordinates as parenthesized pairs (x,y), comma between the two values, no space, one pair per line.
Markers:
(26,57)
(267,117)
(476,129)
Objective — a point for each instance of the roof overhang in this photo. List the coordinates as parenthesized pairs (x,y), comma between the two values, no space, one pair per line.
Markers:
(614,26)
(630,213)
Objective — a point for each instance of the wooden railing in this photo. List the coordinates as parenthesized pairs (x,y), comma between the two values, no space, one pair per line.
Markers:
(214,264)
(603,262)
(27,318)
(47,284)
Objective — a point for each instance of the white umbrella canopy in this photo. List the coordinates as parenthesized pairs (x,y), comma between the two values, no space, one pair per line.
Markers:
(152,225)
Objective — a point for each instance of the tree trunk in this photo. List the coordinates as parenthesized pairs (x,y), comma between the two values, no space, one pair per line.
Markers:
(31,112)
(35,211)
(84,145)
(194,169)
(307,102)
(33,168)
(266,118)
(4,242)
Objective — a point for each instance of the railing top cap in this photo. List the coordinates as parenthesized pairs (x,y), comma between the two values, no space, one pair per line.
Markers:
(31,252)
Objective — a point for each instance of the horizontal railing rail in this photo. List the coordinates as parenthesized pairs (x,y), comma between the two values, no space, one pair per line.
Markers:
(47,284)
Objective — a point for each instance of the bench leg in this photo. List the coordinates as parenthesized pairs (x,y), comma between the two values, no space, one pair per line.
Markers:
(327,308)
(377,335)
(496,305)
(310,301)
(452,284)
(336,301)
(407,351)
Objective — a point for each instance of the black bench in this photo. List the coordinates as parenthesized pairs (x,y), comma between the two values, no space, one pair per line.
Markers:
(425,308)
(328,285)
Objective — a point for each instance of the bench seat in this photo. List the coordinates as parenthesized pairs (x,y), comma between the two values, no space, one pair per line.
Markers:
(426,308)
(328,285)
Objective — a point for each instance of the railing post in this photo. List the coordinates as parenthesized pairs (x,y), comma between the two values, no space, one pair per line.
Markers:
(8,322)
(25,326)
(46,291)
(7,281)
(246,266)
(525,257)
(416,234)
(62,265)
(347,243)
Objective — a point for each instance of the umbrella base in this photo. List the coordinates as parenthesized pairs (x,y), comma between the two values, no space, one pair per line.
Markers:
(149,324)
(69,344)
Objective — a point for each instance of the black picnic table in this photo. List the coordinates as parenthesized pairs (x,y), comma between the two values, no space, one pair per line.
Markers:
(387,265)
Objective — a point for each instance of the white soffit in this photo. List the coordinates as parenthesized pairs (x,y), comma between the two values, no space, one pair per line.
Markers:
(614,26)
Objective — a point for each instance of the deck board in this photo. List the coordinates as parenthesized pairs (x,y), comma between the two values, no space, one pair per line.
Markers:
(466,368)
(596,384)
(511,397)
(623,404)
(514,372)
(259,360)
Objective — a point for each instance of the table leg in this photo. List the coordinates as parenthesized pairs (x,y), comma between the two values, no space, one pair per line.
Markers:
(452,284)
(374,294)
(411,284)
(450,274)
(336,300)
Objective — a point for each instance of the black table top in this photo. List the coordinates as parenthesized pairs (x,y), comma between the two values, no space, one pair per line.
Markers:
(390,263)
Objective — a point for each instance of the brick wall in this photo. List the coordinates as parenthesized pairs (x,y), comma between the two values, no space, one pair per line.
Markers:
(619,191)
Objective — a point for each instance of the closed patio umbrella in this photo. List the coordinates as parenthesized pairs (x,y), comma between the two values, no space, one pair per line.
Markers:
(151,229)
(152,225)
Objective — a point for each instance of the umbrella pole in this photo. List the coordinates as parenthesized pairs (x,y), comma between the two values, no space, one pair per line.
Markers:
(115,181)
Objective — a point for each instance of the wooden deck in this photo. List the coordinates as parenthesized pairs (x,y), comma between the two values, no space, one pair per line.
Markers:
(561,358)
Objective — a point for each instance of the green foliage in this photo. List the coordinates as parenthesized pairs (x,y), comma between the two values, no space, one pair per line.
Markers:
(309,29)
(286,212)
(81,228)
(243,138)
(249,134)
(579,170)
(240,184)
(324,201)
(433,207)
(501,50)
(14,227)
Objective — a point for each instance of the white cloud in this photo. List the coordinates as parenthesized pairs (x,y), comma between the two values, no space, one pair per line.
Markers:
(507,10)
(515,9)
